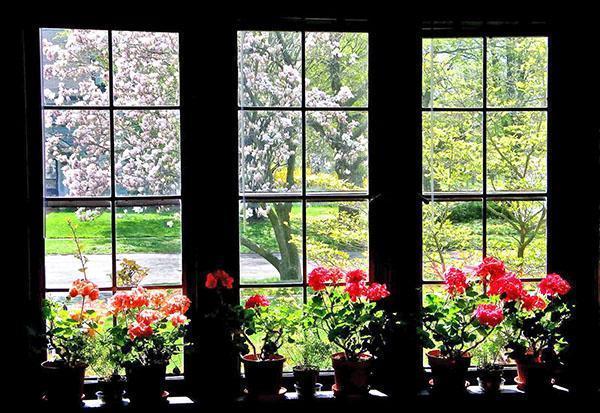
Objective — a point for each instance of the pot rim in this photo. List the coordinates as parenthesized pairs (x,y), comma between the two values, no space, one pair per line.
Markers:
(252,358)
(341,356)
(436,354)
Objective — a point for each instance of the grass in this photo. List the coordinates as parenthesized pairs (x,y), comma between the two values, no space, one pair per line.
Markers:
(150,231)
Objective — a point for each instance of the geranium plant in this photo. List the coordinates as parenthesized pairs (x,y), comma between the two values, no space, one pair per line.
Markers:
(346,307)
(150,325)
(465,314)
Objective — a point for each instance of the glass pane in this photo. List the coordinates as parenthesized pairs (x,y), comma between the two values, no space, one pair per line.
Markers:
(337,151)
(93,228)
(337,234)
(269,68)
(452,151)
(278,297)
(452,237)
(147,152)
(146,68)
(77,151)
(270,151)
(517,235)
(516,146)
(74,67)
(148,244)
(452,73)
(337,69)
(270,242)
(517,71)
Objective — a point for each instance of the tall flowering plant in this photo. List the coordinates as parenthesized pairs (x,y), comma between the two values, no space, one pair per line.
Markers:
(346,307)
(256,327)
(150,325)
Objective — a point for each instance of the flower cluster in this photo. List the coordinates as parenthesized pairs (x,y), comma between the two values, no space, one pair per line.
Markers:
(554,285)
(489,314)
(455,281)
(218,277)
(256,301)
(355,283)
(84,288)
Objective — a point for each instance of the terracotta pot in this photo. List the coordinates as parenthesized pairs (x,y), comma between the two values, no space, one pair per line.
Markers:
(306,380)
(449,374)
(145,384)
(352,377)
(65,383)
(263,377)
(111,390)
(533,375)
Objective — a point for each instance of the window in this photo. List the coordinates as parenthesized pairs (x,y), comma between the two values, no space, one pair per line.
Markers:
(303,158)
(111,114)
(484,130)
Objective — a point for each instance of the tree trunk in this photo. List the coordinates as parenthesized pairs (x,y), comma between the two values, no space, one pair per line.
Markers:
(289,263)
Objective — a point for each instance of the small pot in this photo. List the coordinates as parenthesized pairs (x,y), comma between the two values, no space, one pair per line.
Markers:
(263,377)
(112,390)
(303,394)
(145,384)
(64,383)
(533,375)
(449,374)
(490,385)
(306,380)
(352,377)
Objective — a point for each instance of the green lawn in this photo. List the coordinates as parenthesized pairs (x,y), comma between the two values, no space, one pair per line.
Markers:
(145,232)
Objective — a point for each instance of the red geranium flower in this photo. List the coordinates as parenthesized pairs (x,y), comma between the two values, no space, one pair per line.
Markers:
(455,281)
(318,277)
(336,275)
(148,316)
(489,315)
(137,298)
(211,281)
(553,285)
(177,319)
(376,292)
(490,269)
(177,303)
(84,288)
(508,287)
(257,301)
(157,298)
(356,290)
(138,329)
(532,302)
(219,276)
(356,276)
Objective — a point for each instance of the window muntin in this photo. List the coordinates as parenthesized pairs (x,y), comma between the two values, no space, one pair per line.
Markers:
(303,171)
(484,134)
(112,157)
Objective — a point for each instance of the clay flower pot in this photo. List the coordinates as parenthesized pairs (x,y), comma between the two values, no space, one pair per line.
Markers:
(490,379)
(533,375)
(352,377)
(306,381)
(111,389)
(65,383)
(145,384)
(263,377)
(449,374)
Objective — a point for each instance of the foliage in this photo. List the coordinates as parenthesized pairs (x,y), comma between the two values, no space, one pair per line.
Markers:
(311,350)
(349,314)
(130,273)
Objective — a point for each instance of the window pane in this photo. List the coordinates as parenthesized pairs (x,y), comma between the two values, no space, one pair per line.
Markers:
(93,228)
(146,68)
(279,298)
(74,67)
(516,145)
(270,151)
(148,236)
(452,236)
(337,235)
(337,69)
(517,235)
(337,151)
(269,68)
(517,71)
(452,73)
(77,151)
(452,151)
(270,242)
(147,153)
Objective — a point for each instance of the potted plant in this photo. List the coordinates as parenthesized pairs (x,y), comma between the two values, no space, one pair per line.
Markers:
(71,330)
(457,321)
(255,322)
(149,330)
(346,307)
(537,321)
(489,368)
(107,362)
(310,356)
